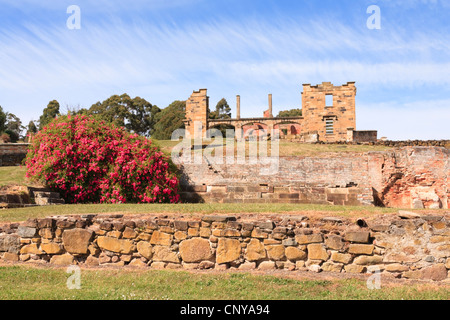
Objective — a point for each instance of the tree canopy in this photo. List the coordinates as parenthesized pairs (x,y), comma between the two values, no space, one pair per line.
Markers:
(135,114)
(49,113)
(222,111)
(13,126)
(169,119)
(2,120)
(290,113)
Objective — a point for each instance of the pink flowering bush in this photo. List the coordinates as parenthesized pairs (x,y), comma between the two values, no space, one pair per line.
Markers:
(90,161)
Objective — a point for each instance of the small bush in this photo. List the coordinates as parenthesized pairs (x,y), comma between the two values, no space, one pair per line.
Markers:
(5,138)
(90,161)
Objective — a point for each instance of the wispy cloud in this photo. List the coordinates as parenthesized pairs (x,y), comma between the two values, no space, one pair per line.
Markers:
(164,62)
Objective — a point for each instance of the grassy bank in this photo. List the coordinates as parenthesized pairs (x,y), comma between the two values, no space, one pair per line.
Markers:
(286,148)
(21,214)
(23,282)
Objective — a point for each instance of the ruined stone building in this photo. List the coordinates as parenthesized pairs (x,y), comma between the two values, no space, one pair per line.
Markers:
(328,115)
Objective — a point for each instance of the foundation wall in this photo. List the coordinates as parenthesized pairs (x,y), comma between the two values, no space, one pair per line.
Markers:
(414,248)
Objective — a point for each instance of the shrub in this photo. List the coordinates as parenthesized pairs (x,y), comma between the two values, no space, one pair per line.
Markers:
(5,138)
(87,160)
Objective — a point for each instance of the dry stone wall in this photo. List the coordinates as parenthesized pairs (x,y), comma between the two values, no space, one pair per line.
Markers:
(405,246)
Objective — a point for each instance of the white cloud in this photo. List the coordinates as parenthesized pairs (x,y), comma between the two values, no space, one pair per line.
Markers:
(166,62)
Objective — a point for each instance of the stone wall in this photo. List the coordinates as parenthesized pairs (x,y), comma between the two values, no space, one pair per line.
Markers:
(341,112)
(405,246)
(410,177)
(12,154)
(360,136)
(197,111)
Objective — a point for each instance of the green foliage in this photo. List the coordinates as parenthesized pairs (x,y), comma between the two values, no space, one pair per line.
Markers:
(222,111)
(169,119)
(87,160)
(136,115)
(290,113)
(13,126)
(49,113)
(2,120)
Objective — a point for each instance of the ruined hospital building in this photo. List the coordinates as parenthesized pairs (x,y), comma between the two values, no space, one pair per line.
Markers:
(328,115)
(408,177)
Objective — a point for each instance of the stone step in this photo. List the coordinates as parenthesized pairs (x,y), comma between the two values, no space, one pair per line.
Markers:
(47,201)
(46,194)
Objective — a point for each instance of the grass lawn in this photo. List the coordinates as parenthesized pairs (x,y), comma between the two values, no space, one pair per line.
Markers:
(24,282)
(13,175)
(287,148)
(186,209)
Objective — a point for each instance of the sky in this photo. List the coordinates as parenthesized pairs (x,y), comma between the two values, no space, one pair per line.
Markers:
(164,50)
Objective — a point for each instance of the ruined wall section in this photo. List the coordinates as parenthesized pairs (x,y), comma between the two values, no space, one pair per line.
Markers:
(411,177)
(197,110)
(12,154)
(410,246)
(341,113)
(416,177)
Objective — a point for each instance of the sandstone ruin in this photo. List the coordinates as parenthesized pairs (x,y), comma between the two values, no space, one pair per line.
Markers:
(409,245)
(328,116)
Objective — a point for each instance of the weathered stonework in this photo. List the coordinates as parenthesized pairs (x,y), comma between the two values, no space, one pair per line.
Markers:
(410,246)
(326,123)
(409,177)
(341,113)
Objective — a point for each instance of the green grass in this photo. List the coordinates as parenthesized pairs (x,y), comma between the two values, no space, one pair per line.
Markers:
(287,148)
(186,209)
(13,176)
(24,282)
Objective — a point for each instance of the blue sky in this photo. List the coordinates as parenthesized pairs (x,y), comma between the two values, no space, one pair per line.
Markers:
(163,50)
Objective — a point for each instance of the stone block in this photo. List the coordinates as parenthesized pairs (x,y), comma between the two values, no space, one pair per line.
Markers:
(332,266)
(51,248)
(195,250)
(357,236)
(368,260)
(180,225)
(145,249)
(10,243)
(129,233)
(138,263)
(396,267)
(30,249)
(8,256)
(164,254)
(77,240)
(275,252)
(309,238)
(92,261)
(160,238)
(228,250)
(361,248)
(334,242)
(294,254)
(344,258)
(255,250)
(26,232)
(267,265)
(62,260)
(317,251)
(247,266)
(258,233)
(116,245)
(354,268)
